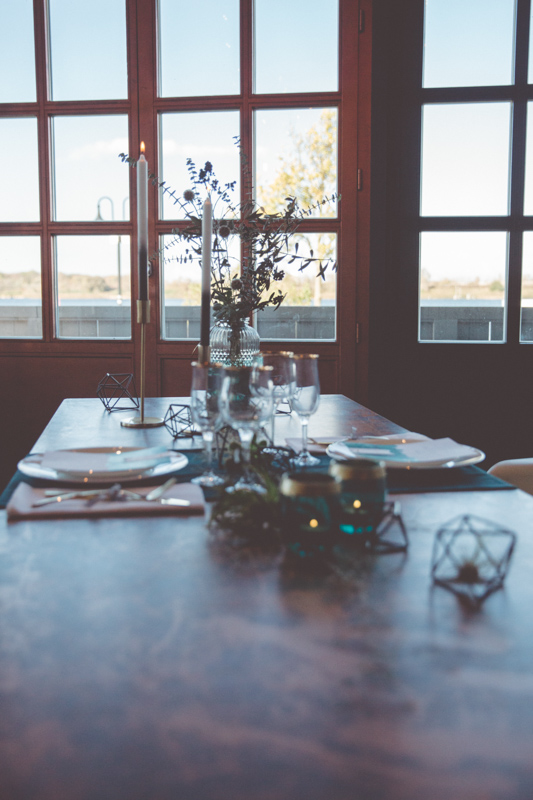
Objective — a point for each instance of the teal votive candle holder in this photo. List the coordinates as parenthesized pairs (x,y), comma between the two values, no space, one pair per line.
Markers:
(310,512)
(363,494)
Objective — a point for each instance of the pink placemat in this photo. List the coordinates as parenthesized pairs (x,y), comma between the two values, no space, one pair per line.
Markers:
(21,505)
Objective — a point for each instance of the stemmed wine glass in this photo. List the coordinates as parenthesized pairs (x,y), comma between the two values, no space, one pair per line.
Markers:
(305,401)
(205,390)
(246,403)
(283,378)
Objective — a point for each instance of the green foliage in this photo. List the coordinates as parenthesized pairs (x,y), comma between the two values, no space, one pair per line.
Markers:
(245,517)
(238,286)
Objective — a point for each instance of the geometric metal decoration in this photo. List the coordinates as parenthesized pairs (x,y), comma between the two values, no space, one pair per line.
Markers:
(225,437)
(178,421)
(390,535)
(113,389)
(471,557)
(386,534)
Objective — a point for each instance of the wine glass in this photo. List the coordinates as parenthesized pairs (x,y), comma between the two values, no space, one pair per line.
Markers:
(205,390)
(246,403)
(283,378)
(305,401)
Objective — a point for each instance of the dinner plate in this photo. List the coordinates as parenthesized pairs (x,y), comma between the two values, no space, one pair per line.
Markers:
(36,465)
(474,456)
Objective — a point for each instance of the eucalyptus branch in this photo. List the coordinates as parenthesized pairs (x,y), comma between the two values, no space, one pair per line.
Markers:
(265,240)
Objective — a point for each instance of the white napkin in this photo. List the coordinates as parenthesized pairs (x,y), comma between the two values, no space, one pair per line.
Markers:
(403,451)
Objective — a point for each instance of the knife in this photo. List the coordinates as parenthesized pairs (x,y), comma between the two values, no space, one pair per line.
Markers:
(156,493)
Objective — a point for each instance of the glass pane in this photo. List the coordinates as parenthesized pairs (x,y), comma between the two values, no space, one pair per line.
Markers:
(463,280)
(17,55)
(93,287)
(308,310)
(202,136)
(528,189)
(188,70)
(296,155)
(181,279)
(468,42)
(20,287)
(19,187)
(526,332)
(88,50)
(87,167)
(296,46)
(465,159)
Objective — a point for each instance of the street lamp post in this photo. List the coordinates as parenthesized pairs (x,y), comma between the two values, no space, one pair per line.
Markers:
(99,218)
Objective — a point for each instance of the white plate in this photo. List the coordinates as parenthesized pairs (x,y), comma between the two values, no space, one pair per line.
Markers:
(32,467)
(474,457)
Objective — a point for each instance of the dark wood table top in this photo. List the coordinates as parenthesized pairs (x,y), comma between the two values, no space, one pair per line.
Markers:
(139,661)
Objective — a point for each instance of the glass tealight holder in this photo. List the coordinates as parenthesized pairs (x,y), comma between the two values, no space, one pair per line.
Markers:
(310,513)
(363,495)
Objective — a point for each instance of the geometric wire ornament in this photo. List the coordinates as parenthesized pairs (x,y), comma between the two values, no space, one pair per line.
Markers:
(390,534)
(471,557)
(224,438)
(386,535)
(178,421)
(112,389)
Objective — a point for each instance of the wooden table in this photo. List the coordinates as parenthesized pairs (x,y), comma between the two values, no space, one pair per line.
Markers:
(139,662)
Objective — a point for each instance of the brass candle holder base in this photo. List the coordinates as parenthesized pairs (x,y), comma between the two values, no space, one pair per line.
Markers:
(143,422)
(143,317)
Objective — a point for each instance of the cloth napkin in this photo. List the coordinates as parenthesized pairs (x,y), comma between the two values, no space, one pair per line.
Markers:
(20,506)
(403,451)
(319,444)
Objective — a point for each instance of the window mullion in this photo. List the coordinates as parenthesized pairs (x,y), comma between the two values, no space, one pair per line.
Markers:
(40,11)
(517,176)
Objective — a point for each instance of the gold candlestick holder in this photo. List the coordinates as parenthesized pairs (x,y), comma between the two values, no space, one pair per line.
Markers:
(204,354)
(143,318)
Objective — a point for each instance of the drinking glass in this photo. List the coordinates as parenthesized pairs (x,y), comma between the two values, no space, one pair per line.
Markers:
(305,401)
(283,378)
(246,403)
(205,390)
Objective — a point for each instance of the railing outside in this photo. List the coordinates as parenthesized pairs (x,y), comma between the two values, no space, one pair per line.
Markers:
(445,321)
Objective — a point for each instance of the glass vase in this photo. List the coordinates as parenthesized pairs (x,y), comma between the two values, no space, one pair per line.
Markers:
(234,347)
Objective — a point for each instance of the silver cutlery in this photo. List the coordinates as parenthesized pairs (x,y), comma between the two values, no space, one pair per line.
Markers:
(156,493)
(116,492)
(58,497)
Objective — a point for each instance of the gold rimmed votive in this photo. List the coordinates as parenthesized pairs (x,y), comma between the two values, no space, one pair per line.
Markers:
(363,494)
(310,509)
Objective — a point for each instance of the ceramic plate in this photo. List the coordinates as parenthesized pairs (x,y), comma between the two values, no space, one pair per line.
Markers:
(473,456)
(72,471)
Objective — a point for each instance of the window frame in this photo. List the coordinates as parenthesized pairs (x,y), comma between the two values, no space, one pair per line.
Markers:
(340,369)
(514,222)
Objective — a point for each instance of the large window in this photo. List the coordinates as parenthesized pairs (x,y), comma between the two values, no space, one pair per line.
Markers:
(94,80)
(284,111)
(476,203)
(62,129)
